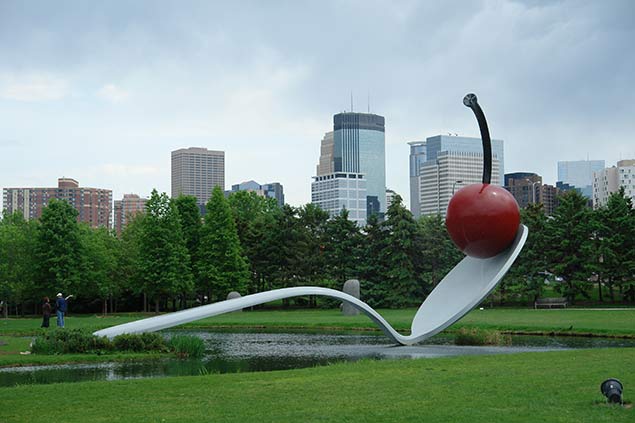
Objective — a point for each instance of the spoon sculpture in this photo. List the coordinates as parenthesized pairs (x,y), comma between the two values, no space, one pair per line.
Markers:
(467,284)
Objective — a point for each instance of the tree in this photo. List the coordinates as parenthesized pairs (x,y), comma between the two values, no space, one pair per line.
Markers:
(527,275)
(101,253)
(615,225)
(402,256)
(372,267)
(290,246)
(570,246)
(59,250)
(342,247)
(129,270)
(438,253)
(17,248)
(255,220)
(312,234)
(164,259)
(191,224)
(222,268)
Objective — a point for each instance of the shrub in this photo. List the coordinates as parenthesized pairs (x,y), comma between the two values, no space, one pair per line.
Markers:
(154,342)
(128,342)
(66,341)
(187,346)
(481,337)
(138,342)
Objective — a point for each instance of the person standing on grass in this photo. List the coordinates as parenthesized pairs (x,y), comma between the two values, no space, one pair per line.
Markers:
(61,307)
(46,312)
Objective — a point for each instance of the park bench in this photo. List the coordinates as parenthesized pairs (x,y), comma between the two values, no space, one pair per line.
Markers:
(550,302)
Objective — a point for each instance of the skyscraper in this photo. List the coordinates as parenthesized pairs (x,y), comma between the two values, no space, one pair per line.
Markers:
(325,166)
(93,205)
(359,147)
(196,171)
(579,174)
(355,165)
(452,162)
(417,158)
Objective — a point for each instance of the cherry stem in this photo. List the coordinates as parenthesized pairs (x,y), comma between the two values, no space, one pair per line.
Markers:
(471,101)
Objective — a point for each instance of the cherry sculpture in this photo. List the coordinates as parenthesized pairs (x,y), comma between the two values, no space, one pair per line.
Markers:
(482,219)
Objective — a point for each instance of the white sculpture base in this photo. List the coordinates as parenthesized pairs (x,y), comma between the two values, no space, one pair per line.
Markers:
(456,295)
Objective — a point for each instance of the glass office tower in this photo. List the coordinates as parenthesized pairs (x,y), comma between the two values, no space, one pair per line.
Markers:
(360,147)
(417,158)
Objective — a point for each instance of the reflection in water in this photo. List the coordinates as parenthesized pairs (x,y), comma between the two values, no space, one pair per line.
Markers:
(231,352)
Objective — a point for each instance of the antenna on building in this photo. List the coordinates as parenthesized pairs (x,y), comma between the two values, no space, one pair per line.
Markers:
(351,101)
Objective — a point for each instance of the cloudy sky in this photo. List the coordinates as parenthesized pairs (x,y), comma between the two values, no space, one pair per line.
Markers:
(103,91)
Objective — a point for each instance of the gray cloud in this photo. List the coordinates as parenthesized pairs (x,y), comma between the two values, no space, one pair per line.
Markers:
(262,81)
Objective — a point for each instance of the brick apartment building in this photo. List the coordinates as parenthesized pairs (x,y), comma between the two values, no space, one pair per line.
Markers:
(94,205)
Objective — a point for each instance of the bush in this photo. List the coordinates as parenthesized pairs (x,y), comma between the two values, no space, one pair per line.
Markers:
(481,337)
(138,342)
(68,341)
(187,346)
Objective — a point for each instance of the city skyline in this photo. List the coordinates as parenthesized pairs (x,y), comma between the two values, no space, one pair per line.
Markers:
(103,92)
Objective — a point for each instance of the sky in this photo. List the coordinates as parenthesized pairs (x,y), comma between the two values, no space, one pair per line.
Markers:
(102,92)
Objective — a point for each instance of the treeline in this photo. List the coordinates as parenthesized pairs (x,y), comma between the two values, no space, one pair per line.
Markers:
(579,253)
(170,258)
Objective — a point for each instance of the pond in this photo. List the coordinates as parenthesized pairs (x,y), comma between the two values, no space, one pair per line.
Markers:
(230,352)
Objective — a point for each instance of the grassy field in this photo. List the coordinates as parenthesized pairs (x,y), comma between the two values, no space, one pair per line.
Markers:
(554,387)
(607,322)
(17,333)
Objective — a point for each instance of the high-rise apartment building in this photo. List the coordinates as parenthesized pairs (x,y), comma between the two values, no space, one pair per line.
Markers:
(196,171)
(608,181)
(549,198)
(357,158)
(527,188)
(524,186)
(579,174)
(417,158)
(94,205)
(273,190)
(126,208)
(452,162)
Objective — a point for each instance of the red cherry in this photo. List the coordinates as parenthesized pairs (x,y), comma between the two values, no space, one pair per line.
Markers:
(482,219)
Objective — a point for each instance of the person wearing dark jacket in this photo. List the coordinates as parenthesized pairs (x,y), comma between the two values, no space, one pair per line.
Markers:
(46,312)
(60,308)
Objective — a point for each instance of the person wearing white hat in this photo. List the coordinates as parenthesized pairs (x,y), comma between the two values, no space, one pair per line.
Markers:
(60,308)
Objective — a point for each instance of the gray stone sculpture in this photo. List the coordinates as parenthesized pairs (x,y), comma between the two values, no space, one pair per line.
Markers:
(233,295)
(459,292)
(351,287)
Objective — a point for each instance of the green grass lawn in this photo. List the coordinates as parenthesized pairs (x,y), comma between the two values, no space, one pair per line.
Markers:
(564,321)
(529,387)
(15,332)
(607,322)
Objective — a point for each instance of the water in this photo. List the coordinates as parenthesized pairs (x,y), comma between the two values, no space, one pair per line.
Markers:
(231,352)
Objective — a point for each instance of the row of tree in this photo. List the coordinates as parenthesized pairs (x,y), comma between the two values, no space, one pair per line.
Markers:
(171,257)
